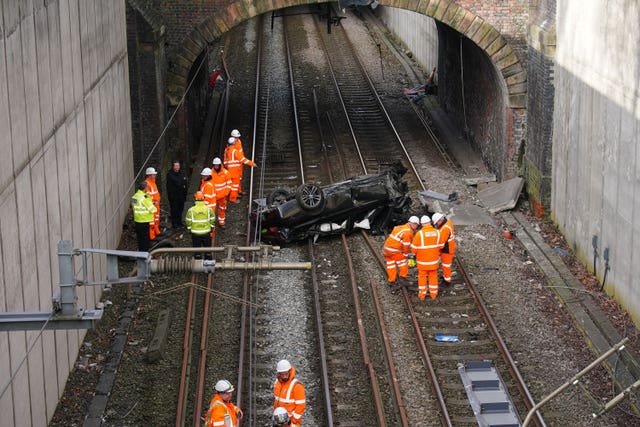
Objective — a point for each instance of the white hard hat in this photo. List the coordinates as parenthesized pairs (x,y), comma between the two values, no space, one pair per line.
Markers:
(206,172)
(414,219)
(224,386)
(425,220)
(235,133)
(150,171)
(231,140)
(280,415)
(436,217)
(217,161)
(283,366)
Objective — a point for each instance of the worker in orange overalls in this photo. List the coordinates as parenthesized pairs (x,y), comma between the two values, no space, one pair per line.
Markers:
(426,248)
(447,242)
(396,249)
(238,144)
(208,188)
(288,392)
(222,412)
(152,191)
(233,160)
(222,182)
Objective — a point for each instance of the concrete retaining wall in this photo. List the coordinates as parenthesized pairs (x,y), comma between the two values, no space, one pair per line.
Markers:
(418,32)
(65,171)
(596,162)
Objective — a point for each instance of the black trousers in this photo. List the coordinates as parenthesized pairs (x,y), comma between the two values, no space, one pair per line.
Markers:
(201,241)
(142,233)
(176,207)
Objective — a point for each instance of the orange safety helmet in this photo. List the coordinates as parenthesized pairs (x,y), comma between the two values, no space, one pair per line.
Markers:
(199,195)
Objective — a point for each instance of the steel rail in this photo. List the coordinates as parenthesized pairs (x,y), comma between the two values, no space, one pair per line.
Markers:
(502,347)
(446,419)
(202,355)
(186,358)
(419,338)
(316,292)
(246,316)
(363,336)
(340,98)
(399,402)
(402,409)
(319,328)
(293,99)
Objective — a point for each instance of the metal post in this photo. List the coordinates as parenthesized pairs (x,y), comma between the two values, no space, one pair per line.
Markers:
(618,347)
(68,297)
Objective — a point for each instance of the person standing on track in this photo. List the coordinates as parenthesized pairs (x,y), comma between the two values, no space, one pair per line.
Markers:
(200,221)
(222,182)
(238,144)
(177,183)
(208,188)
(396,250)
(426,247)
(222,412)
(288,393)
(233,160)
(447,243)
(152,190)
(143,210)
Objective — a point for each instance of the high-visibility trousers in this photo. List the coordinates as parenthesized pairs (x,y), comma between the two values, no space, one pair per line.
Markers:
(156,218)
(221,214)
(447,261)
(422,283)
(396,261)
(235,188)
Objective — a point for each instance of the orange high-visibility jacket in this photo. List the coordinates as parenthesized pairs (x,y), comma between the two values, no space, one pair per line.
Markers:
(399,240)
(426,246)
(219,410)
(222,182)
(234,159)
(447,238)
(152,189)
(209,190)
(291,396)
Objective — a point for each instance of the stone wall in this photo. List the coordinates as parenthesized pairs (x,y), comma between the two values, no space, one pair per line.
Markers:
(65,170)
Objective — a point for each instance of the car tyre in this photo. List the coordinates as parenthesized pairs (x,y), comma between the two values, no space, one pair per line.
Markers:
(278,196)
(310,197)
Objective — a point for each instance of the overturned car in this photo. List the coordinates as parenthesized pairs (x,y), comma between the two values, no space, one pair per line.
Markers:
(373,202)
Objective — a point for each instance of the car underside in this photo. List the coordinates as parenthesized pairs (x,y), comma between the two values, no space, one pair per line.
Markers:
(372,202)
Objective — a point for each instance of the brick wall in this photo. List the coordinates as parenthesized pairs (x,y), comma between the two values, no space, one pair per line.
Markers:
(147,65)
(541,52)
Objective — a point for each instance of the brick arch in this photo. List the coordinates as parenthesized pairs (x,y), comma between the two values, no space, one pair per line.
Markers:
(472,26)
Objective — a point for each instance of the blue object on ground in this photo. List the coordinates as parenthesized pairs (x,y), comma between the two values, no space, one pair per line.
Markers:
(446,338)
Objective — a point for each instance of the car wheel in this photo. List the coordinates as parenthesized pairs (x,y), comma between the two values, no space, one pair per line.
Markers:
(278,196)
(310,197)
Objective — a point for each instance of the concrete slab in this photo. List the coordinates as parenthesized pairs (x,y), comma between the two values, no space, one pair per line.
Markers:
(6,166)
(44,72)
(460,213)
(503,196)
(30,77)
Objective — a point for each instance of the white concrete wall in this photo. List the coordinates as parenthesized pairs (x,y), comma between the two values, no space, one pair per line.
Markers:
(65,170)
(417,32)
(596,162)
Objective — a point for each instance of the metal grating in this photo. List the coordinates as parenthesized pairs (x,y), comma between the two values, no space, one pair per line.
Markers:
(489,398)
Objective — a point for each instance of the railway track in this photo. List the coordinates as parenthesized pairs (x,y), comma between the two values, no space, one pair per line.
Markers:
(348,378)
(342,342)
